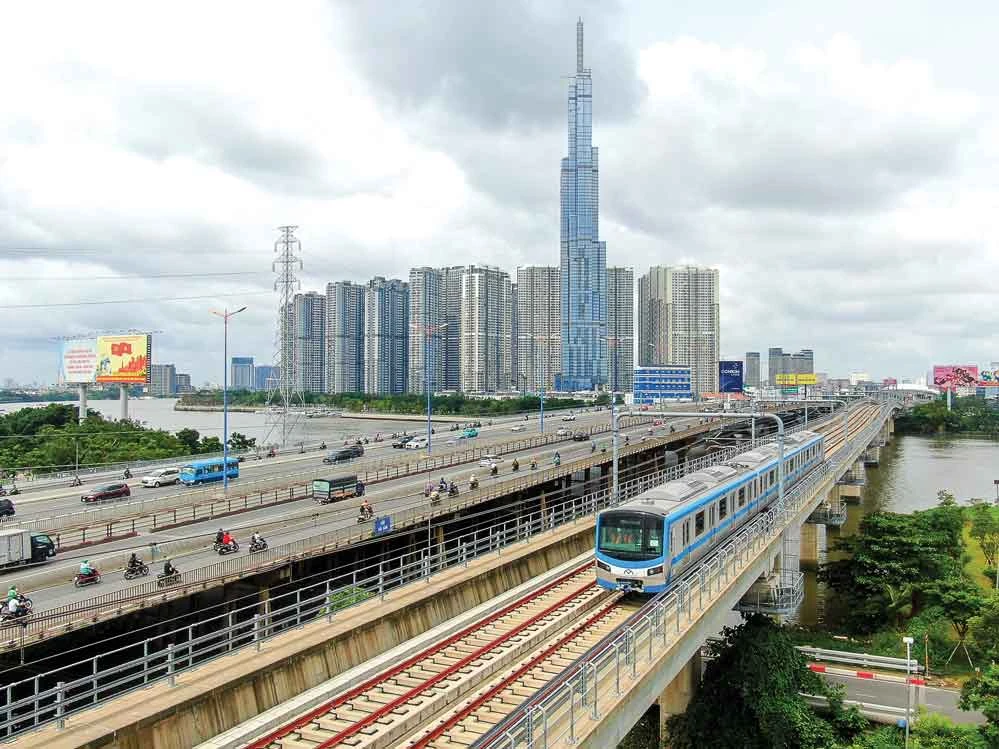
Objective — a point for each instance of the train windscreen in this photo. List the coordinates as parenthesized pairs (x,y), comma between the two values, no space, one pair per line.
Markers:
(631,536)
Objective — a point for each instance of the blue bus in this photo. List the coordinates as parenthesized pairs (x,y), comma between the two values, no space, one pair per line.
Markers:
(201,471)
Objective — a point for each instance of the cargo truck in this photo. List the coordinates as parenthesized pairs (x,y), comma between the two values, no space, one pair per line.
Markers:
(24,547)
(325,491)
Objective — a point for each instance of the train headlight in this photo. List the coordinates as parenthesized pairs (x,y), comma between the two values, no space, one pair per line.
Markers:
(655,570)
(603,566)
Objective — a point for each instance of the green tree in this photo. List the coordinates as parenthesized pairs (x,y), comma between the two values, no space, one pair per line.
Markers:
(239,441)
(751,697)
(961,599)
(985,529)
(189,438)
(210,445)
(982,693)
(984,629)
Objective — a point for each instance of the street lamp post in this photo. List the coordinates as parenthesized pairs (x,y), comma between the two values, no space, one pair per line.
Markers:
(908,686)
(614,446)
(225,315)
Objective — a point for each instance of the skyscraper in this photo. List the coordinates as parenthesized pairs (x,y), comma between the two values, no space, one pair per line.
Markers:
(515,382)
(485,330)
(265,376)
(162,380)
(308,320)
(241,373)
(678,321)
(426,316)
(539,330)
(583,266)
(775,365)
(386,336)
(620,328)
(344,337)
(450,305)
(803,361)
(752,369)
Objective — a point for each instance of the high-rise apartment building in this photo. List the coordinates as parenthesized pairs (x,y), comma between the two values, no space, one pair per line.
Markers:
(184,383)
(679,321)
(775,365)
(485,330)
(752,373)
(784,362)
(803,362)
(583,268)
(450,304)
(539,329)
(162,380)
(515,383)
(386,336)
(344,337)
(266,377)
(426,316)
(620,328)
(241,373)
(309,325)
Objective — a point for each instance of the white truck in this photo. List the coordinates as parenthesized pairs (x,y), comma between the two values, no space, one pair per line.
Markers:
(24,547)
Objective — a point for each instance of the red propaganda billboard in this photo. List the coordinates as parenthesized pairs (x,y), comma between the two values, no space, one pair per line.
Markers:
(889,382)
(954,376)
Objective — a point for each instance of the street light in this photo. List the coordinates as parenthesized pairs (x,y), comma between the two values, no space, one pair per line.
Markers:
(225,315)
(908,685)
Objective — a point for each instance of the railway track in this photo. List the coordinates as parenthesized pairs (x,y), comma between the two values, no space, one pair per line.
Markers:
(396,702)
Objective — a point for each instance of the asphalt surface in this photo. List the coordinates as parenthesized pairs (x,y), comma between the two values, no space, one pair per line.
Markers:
(289,522)
(892,694)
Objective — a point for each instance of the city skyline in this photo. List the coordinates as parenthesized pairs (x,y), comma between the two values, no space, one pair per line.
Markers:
(716,149)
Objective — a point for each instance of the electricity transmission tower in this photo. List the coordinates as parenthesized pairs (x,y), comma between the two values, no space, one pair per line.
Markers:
(285,391)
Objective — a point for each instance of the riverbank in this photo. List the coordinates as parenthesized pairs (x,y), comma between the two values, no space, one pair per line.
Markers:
(340,414)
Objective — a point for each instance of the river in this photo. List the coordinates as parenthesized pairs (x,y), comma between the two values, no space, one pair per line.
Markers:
(158,413)
(912,470)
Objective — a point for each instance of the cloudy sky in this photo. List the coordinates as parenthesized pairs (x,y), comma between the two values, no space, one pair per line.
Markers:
(836,163)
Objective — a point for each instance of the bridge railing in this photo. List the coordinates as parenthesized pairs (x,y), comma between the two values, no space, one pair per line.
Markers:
(552,716)
(51,695)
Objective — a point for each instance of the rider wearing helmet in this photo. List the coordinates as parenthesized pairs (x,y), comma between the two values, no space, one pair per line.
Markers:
(134,561)
(256,538)
(227,538)
(169,570)
(219,536)
(85,569)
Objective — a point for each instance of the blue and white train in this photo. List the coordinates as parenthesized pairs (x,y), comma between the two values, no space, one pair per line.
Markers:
(644,543)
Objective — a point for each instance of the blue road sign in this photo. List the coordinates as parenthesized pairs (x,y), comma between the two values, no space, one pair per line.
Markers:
(384,524)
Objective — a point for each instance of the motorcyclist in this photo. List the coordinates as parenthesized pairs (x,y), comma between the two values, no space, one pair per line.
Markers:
(494,469)
(452,489)
(12,593)
(76,481)
(126,474)
(85,569)
(473,483)
(366,510)
(14,607)
(534,463)
(428,489)
(515,465)
(134,562)
(256,539)
(227,539)
(322,445)
(169,570)
(442,484)
(593,446)
(219,537)
(359,488)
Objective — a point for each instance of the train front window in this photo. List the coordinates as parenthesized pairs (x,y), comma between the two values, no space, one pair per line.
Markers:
(631,536)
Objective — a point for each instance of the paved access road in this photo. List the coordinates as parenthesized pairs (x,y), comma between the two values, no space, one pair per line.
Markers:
(279,524)
(892,694)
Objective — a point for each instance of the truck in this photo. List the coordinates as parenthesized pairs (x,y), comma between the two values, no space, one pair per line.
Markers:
(24,547)
(325,491)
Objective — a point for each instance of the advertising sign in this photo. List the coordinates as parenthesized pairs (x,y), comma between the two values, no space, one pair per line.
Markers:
(730,376)
(988,378)
(797,379)
(123,359)
(79,361)
(954,376)
(889,382)
(114,358)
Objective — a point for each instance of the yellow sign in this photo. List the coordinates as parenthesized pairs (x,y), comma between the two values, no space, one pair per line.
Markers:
(123,359)
(797,379)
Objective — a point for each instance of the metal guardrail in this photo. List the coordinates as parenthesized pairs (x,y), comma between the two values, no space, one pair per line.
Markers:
(550,718)
(52,695)
(861,659)
(782,598)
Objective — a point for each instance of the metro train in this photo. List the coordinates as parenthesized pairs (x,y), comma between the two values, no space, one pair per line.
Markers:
(645,542)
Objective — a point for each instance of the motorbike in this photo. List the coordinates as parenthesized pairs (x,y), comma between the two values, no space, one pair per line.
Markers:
(126,474)
(534,465)
(494,470)
(141,570)
(23,610)
(271,453)
(76,481)
(473,484)
(428,490)
(322,445)
(365,515)
(379,438)
(557,461)
(435,497)
(12,492)
(452,491)
(92,579)
(255,546)
(162,579)
(230,548)
(515,466)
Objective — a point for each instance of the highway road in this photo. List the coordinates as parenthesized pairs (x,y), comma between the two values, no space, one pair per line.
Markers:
(282,523)
(66,499)
(892,694)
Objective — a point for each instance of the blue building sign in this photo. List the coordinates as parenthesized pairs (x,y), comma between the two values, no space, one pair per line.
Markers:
(383,524)
(659,383)
(730,376)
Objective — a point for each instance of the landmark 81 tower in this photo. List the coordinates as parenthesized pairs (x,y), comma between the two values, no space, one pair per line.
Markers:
(583,256)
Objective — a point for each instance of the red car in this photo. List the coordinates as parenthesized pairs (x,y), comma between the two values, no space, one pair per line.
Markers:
(107,491)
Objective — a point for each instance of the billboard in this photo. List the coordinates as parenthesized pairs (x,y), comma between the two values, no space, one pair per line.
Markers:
(988,378)
(122,359)
(730,376)
(797,379)
(954,376)
(889,382)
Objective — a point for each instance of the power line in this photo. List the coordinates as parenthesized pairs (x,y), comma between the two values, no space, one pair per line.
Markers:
(131,277)
(130,301)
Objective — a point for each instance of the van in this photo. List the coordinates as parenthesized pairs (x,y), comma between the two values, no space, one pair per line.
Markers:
(162,477)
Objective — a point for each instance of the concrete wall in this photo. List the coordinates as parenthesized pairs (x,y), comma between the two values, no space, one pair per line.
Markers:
(216,697)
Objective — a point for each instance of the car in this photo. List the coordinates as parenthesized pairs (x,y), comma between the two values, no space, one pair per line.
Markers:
(517,428)
(417,443)
(6,507)
(563,432)
(469,433)
(107,491)
(489,460)
(161,477)
(580,437)
(343,454)
(569,417)
(402,441)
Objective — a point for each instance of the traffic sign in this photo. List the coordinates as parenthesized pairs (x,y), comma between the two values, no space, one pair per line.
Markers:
(383,524)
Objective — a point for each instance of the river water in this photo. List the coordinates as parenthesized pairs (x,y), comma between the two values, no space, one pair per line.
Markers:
(912,470)
(158,413)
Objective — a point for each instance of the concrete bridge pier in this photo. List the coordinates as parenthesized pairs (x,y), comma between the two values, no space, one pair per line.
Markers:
(677,695)
(813,545)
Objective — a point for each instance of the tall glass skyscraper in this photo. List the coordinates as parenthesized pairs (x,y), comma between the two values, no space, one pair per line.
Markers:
(583,269)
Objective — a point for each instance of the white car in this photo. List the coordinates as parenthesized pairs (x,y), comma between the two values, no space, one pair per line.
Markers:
(518,428)
(563,432)
(162,477)
(417,443)
(488,461)
(570,417)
